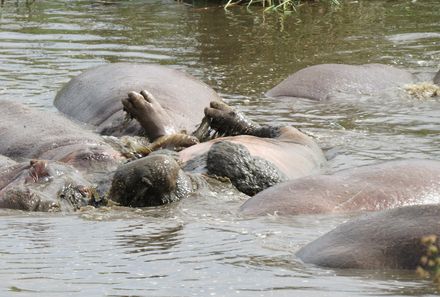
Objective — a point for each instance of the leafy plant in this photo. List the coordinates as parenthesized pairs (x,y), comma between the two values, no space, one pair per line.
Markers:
(429,264)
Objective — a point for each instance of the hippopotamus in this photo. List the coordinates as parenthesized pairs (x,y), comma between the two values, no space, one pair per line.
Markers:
(39,185)
(34,134)
(94,97)
(386,239)
(324,81)
(251,156)
(367,188)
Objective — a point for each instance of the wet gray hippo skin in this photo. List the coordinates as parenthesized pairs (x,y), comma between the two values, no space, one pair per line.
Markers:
(94,97)
(5,161)
(387,239)
(437,78)
(42,186)
(261,158)
(324,81)
(375,187)
(29,133)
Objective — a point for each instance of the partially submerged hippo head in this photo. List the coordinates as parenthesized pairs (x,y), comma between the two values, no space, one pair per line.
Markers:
(42,186)
(150,181)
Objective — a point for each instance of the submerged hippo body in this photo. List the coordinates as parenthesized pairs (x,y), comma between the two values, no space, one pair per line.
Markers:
(324,81)
(387,239)
(387,185)
(94,97)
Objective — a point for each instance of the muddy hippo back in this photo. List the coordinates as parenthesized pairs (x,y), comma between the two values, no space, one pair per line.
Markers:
(94,97)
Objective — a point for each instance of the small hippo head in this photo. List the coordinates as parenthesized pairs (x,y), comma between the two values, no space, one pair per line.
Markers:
(43,186)
(154,180)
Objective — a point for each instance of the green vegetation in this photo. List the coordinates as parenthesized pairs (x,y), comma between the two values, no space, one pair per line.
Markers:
(423,90)
(277,5)
(429,265)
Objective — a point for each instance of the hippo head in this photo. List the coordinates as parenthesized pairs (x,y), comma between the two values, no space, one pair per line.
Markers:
(154,180)
(43,186)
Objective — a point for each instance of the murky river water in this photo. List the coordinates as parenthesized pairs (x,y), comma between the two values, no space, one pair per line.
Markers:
(200,247)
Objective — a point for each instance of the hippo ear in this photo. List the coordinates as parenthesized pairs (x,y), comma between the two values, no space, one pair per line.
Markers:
(37,170)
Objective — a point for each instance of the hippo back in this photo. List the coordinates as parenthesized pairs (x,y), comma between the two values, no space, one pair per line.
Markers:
(5,161)
(94,97)
(387,239)
(29,132)
(320,82)
(367,188)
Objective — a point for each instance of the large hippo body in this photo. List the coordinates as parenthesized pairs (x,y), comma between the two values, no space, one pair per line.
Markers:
(387,239)
(94,97)
(324,81)
(387,185)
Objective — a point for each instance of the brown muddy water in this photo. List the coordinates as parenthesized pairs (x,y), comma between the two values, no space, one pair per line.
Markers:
(200,246)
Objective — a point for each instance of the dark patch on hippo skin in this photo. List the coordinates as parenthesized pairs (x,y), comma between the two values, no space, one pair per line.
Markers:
(387,239)
(248,174)
(150,181)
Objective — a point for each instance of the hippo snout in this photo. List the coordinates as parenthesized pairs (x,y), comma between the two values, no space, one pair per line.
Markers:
(150,181)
